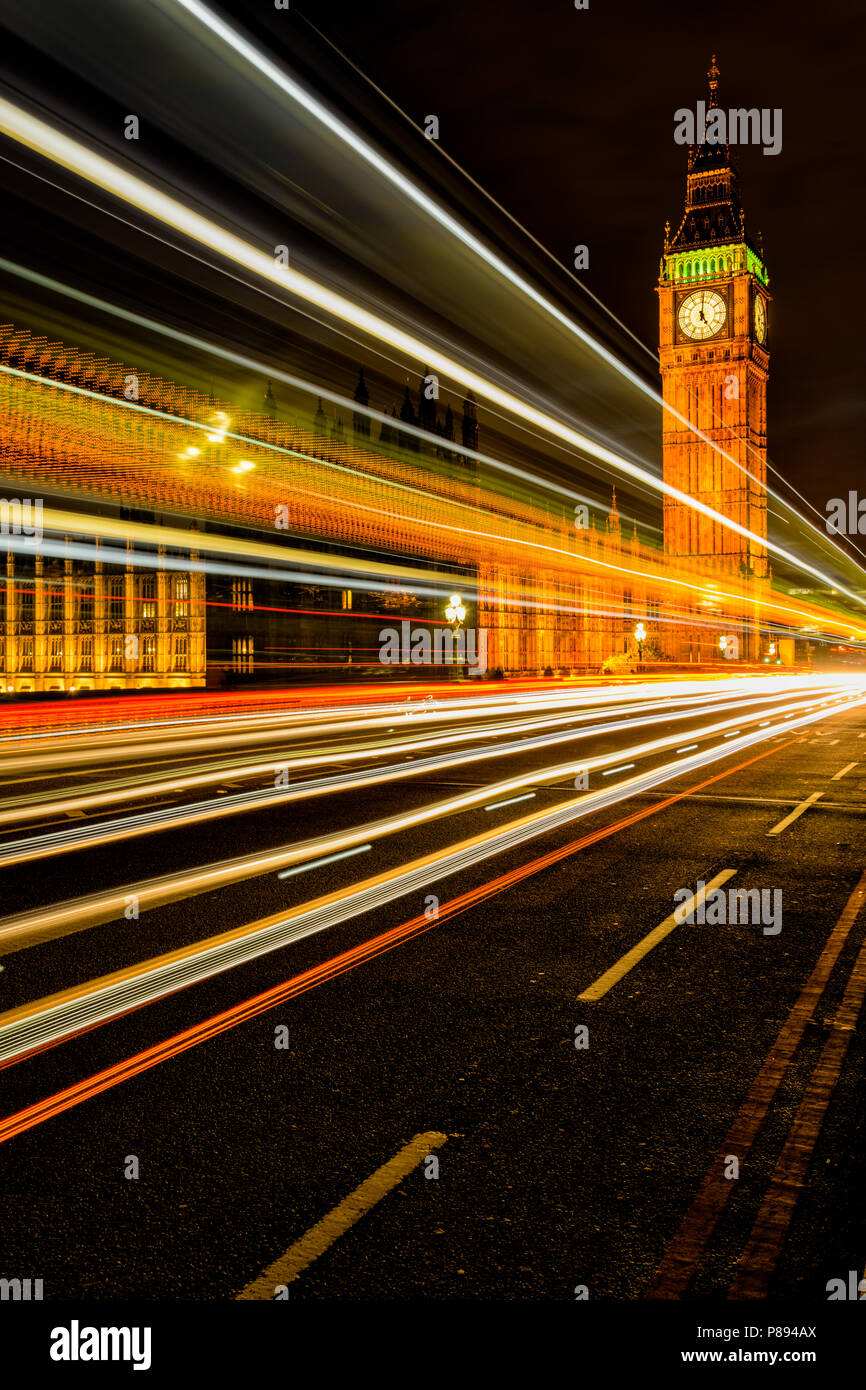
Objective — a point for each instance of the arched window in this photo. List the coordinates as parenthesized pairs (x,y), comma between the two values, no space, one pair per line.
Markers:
(181,596)
(148,595)
(115,597)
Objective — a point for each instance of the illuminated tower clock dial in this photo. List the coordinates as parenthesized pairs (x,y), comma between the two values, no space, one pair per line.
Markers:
(760,319)
(702,314)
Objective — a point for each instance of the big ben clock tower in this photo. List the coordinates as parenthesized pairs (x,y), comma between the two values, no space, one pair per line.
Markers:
(713,352)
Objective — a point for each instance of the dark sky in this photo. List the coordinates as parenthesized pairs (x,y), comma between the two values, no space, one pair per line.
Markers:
(566,118)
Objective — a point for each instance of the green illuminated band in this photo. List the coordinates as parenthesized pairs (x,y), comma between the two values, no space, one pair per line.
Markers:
(712,261)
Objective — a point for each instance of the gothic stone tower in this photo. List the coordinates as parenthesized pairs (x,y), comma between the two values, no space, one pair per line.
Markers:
(713,303)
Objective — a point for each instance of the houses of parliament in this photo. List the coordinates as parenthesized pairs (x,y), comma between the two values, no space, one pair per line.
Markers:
(130,615)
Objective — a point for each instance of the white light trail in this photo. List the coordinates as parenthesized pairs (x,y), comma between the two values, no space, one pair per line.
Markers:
(371,156)
(57,1017)
(28,928)
(530,796)
(80,160)
(319,863)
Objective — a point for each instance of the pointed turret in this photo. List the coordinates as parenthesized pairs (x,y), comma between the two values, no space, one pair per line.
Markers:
(713,216)
(613,521)
(408,416)
(470,422)
(712,212)
(426,402)
(407,409)
(361,422)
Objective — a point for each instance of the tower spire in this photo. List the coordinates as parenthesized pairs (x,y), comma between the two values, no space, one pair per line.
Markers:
(613,523)
(713,84)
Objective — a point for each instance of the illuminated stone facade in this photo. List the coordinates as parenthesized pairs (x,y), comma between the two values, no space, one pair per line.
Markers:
(70,624)
(714,358)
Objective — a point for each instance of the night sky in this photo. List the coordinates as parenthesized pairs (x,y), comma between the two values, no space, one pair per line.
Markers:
(566,118)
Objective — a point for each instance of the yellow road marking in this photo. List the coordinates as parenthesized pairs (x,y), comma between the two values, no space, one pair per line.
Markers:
(841,772)
(301,1255)
(651,940)
(797,811)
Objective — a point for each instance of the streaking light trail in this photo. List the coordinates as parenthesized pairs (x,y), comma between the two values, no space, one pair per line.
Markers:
(49,1020)
(77,158)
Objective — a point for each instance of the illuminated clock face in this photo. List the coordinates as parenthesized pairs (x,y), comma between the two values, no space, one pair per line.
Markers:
(702,314)
(760,319)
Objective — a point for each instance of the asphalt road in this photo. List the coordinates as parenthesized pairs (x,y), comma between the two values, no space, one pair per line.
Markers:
(560,1168)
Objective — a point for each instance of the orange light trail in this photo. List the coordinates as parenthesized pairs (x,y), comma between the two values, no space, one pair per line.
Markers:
(77,431)
(91,1086)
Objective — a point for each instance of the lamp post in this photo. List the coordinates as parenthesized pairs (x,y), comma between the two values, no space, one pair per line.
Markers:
(640,638)
(455,613)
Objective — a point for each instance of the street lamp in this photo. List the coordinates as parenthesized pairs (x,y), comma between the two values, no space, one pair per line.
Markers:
(640,638)
(219,427)
(455,613)
(723,642)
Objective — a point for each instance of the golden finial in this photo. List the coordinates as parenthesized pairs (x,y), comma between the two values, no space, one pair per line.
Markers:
(713,80)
